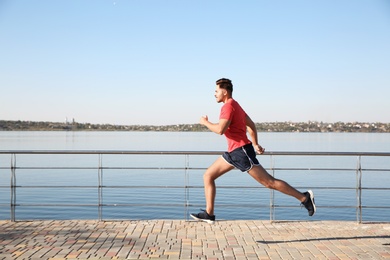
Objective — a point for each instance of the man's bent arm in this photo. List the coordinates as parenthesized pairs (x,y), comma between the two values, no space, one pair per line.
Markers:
(219,128)
(251,127)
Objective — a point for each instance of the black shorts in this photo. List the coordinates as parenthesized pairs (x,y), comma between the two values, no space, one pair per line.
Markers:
(243,158)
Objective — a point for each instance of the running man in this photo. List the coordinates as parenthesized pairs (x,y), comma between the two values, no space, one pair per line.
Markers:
(234,124)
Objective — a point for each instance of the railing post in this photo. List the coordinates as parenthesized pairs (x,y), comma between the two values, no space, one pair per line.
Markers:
(186,188)
(100,187)
(359,190)
(13,186)
(272,199)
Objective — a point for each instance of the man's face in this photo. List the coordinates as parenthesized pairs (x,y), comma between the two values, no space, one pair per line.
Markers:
(220,94)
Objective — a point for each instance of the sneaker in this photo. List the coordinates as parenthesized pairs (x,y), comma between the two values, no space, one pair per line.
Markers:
(309,202)
(203,216)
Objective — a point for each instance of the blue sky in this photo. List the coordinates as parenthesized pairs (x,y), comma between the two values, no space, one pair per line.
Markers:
(156,62)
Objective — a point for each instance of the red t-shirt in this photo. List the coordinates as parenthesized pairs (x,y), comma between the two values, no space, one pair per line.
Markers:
(236,132)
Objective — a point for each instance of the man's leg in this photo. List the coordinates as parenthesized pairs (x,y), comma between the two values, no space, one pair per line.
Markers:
(263,177)
(268,181)
(217,169)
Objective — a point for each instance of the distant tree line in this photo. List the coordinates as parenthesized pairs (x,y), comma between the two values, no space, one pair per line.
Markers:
(311,126)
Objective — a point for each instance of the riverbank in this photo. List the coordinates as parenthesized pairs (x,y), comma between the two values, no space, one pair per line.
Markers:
(311,126)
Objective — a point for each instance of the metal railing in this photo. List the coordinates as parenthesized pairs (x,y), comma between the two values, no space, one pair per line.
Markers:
(99,168)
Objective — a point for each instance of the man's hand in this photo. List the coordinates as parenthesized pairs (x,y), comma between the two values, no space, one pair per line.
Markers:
(204,120)
(259,149)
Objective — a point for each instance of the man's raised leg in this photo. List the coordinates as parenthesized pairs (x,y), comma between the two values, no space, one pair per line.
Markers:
(263,177)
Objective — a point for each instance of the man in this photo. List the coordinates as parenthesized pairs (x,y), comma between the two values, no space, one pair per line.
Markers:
(234,124)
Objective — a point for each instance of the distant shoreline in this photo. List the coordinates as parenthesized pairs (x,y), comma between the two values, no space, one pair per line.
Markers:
(310,126)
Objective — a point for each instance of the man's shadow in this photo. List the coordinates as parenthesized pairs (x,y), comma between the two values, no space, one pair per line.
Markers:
(323,239)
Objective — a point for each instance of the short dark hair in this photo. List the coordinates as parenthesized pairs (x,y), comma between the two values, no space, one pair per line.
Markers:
(225,84)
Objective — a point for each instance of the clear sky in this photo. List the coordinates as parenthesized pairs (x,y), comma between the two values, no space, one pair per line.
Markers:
(156,62)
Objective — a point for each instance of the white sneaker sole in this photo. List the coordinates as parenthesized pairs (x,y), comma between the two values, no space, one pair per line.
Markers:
(312,200)
(201,219)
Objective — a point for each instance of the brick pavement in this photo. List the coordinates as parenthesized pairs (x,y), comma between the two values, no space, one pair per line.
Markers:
(177,239)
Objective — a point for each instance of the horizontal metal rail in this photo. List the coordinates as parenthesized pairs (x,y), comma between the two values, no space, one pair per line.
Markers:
(186,185)
(279,153)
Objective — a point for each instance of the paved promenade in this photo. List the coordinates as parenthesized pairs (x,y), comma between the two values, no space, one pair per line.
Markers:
(177,239)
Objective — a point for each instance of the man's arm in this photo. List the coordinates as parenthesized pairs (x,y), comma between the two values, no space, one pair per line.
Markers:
(219,128)
(251,127)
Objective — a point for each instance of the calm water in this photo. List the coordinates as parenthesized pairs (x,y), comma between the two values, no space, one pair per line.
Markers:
(236,203)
